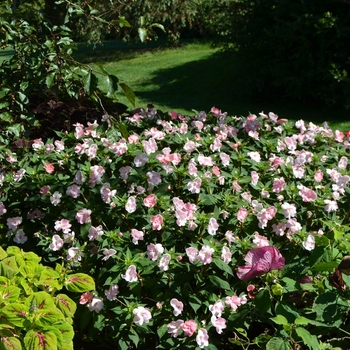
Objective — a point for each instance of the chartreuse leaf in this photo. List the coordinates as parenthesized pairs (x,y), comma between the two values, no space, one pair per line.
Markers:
(9,295)
(40,301)
(79,283)
(15,313)
(50,277)
(279,319)
(65,304)
(310,340)
(8,267)
(40,340)
(9,342)
(67,334)
(3,254)
(278,344)
(142,34)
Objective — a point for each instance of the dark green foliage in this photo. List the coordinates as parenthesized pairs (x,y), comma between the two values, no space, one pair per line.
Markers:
(291,50)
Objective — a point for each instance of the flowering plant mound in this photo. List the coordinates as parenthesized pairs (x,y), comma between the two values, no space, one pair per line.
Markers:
(208,231)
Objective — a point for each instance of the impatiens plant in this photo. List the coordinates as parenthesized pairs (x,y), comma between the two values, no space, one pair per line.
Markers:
(207,231)
(33,316)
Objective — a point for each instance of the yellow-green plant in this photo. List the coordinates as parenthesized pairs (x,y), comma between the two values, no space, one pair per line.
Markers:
(32,314)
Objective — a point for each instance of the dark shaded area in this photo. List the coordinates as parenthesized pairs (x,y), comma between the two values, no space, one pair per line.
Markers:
(224,80)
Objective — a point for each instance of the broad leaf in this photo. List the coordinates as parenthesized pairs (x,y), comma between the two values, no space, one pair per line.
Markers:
(65,304)
(278,344)
(40,340)
(79,283)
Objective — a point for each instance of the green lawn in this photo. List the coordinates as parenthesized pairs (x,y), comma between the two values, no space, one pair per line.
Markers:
(196,76)
(192,77)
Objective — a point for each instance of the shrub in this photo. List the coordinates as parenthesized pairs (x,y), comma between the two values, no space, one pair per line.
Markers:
(32,315)
(207,231)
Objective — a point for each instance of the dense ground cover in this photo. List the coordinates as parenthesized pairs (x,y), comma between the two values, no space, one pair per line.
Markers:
(199,231)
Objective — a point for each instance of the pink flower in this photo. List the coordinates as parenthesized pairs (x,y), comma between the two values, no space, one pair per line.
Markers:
(290,210)
(63,225)
(225,159)
(226,254)
(260,241)
(212,226)
(83,216)
(3,209)
(254,156)
(130,205)
(343,162)
(175,327)
(44,190)
(150,146)
(124,172)
(234,301)
(150,200)
(205,255)
(130,274)
(194,186)
(177,306)
(55,199)
(49,168)
(136,236)
(318,176)
(278,185)
(108,253)
(86,298)
(164,262)
(140,160)
(330,205)
(73,191)
(142,315)
(74,254)
(242,214)
(307,194)
(12,223)
(95,232)
(153,250)
(20,237)
(202,338)
(112,292)
(157,222)
(219,323)
(217,309)
(260,261)
(255,177)
(189,328)
(153,178)
(205,161)
(192,254)
(309,243)
(95,177)
(96,305)
(79,178)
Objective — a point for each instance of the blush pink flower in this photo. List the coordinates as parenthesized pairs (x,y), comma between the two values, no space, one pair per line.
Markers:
(157,222)
(307,194)
(130,274)
(260,261)
(192,254)
(278,185)
(150,201)
(189,327)
(153,250)
(142,315)
(205,255)
(177,306)
(83,216)
(49,168)
(136,236)
(242,214)
(212,226)
(194,186)
(175,327)
(44,190)
(202,338)
(86,298)
(130,205)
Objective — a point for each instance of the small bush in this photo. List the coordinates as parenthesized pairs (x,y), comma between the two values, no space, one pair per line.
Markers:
(208,231)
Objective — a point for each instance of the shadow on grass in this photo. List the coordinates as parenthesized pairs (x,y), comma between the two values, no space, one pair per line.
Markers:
(220,80)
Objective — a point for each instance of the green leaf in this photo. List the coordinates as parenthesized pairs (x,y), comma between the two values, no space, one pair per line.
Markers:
(157,25)
(79,283)
(310,340)
(15,313)
(87,82)
(8,267)
(112,85)
(6,116)
(9,343)
(279,319)
(263,301)
(123,22)
(142,34)
(40,340)
(223,266)
(10,294)
(65,304)
(324,266)
(218,282)
(50,80)
(338,234)
(278,344)
(129,93)
(3,253)
(287,312)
